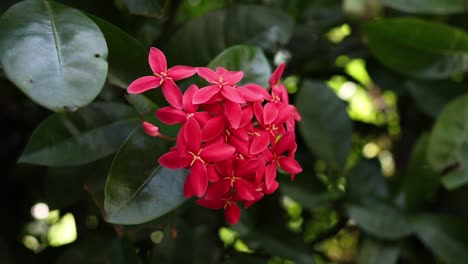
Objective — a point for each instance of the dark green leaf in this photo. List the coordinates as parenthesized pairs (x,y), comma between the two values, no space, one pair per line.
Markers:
(374,251)
(380,219)
(366,180)
(123,51)
(146,108)
(80,137)
(418,48)
(214,32)
(248,59)
(427,6)
(446,236)
(137,188)
(54,54)
(419,171)
(149,8)
(325,126)
(448,143)
(432,96)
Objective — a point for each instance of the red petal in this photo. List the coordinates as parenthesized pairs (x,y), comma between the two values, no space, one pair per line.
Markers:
(192,135)
(208,74)
(187,98)
(224,168)
(285,143)
(274,186)
(233,77)
(181,72)
(253,92)
(204,94)
(213,127)
(218,189)
(212,204)
(246,116)
(233,113)
(150,129)
(212,173)
(270,112)
(258,112)
(188,187)
(174,160)
(199,179)
(202,117)
(276,76)
(240,133)
(143,84)
(157,60)
(270,175)
(232,213)
(249,167)
(242,147)
(290,165)
(172,93)
(170,115)
(260,143)
(244,190)
(232,94)
(217,152)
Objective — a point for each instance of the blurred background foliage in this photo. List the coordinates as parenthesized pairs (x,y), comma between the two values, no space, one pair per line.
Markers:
(381,87)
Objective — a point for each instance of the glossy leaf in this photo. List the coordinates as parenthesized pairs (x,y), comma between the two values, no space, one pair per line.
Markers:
(325,126)
(137,188)
(380,219)
(124,50)
(248,59)
(366,180)
(54,54)
(373,251)
(418,48)
(448,143)
(430,97)
(214,32)
(80,137)
(418,172)
(446,236)
(426,6)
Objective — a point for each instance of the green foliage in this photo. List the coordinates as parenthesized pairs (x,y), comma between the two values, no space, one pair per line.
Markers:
(380,86)
(56,55)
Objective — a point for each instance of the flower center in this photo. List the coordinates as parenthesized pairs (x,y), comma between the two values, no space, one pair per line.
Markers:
(196,157)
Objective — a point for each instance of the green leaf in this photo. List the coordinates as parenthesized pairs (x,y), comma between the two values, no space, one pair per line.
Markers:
(448,143)
(214,32)
(124,50)
(325,126)
(373,251)
(137,188)
(148,8)
(55,54)
(427,6)
(446,236)
(64,186)
(380,219)
(80,137)
(146,108)
(418,48)
(366,180)
(419,171)
(430,97)
(248,59)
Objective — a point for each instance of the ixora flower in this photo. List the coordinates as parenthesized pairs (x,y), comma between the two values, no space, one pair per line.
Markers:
(233,138)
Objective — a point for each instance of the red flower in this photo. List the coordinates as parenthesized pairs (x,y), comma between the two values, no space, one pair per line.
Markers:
(191,154)
(228,203)
(162,76)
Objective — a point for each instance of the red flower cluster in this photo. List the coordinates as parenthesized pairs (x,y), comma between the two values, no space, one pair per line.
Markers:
(233,138)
